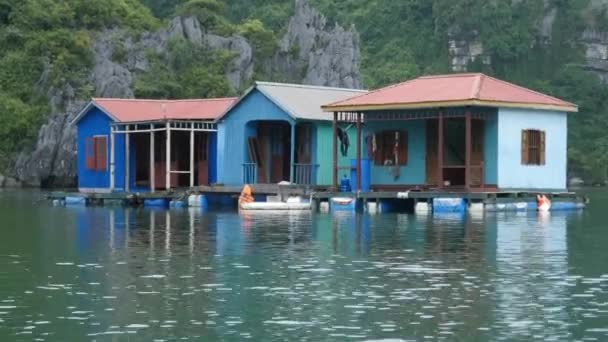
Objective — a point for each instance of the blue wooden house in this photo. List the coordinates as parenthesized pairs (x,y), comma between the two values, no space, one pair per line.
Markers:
(278,132)
(127,145)
(465,132)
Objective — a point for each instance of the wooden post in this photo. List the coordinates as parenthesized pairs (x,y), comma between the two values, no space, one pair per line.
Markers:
(358,151)
(440,150)
(112,159)
(468,147)
(152,228)
(292,157)
(168,231)
(335,152)
(191,155)
(168,157)
(127,159)
(152,161)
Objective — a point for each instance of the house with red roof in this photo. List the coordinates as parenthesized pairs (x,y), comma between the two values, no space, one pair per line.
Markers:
(466,132)
(145,145)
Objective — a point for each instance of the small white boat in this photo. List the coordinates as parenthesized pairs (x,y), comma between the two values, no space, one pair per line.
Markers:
(275,206)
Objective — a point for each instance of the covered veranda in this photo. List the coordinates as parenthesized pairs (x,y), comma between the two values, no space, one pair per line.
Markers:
(167,153)
(440,125)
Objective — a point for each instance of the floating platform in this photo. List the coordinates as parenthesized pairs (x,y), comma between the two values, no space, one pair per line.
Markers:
(275,206)
(274,197)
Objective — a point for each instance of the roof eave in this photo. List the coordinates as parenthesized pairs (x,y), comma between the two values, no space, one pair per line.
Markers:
(235,103)
(461,103)
(87,108)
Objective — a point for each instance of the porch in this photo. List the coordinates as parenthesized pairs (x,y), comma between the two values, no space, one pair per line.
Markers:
(439,149)
(164,155)
(280,151)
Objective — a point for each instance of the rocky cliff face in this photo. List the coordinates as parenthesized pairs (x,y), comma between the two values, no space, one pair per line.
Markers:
(311,53)
(593,40)
(52,162)
(465,51)
(324,57)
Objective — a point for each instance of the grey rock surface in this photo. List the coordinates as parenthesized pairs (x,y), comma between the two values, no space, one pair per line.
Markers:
(326,57)
(52,160)
(312,53)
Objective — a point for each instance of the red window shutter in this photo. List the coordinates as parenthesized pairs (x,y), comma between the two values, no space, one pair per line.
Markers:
(89,153)
(402,148)
(101,153)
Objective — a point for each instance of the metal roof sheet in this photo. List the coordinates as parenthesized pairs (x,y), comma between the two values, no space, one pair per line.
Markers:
(302,101)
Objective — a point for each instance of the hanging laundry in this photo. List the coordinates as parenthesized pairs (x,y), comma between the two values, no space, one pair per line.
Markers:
(344,142)
(369,142)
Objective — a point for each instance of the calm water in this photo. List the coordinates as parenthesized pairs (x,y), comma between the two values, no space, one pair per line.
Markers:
(112,274)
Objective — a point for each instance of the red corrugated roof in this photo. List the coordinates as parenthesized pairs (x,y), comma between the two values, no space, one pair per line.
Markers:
(451,90)
(134,110)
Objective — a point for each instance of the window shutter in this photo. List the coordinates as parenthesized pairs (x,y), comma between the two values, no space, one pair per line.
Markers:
(379,153)
(524,147)
(101,153)
(89,153)
(402,151)
(542,148)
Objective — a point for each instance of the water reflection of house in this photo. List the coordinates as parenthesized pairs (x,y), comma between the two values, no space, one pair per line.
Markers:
(462,131)
(532,268)
(278,132)
(144,145)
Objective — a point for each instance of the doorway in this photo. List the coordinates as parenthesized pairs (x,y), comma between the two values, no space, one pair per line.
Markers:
(270,150)
(454,153)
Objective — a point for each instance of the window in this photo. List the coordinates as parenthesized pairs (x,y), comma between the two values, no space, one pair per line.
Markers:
(96,153)
(391,148)
(532,147)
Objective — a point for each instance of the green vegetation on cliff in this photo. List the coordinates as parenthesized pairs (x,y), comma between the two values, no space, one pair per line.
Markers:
(46,43)
(405,39)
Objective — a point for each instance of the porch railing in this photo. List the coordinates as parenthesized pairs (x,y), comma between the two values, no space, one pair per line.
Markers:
(250,173)
(305,174)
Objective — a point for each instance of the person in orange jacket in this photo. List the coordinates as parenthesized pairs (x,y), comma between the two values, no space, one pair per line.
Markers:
(246,195)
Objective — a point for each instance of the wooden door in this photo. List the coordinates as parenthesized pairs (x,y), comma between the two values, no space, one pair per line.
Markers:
(159,175)
(263,167)
(477,152)
(277,153)
(202,153)
(432,167)
(304,144)
(160,157)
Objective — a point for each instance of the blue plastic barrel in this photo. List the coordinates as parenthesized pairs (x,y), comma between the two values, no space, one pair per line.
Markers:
(345,185)
(156,203)
(366,174)
(449,205)
(75,200)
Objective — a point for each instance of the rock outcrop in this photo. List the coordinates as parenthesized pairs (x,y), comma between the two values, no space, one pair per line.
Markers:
(313,54)
(467,49)
(52,161)
(324,57)
(464,52)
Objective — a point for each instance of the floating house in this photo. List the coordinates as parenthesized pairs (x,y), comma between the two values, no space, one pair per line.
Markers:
(278,132)
(461,132)
(127,145)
